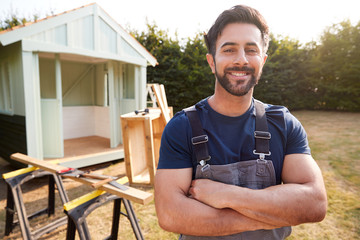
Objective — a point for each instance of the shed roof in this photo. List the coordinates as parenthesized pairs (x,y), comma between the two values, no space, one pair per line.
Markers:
(86,31)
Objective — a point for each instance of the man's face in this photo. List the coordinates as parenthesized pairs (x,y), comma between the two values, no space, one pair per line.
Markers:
(239,58)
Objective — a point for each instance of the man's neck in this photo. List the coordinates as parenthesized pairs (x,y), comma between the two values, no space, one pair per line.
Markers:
(230,105)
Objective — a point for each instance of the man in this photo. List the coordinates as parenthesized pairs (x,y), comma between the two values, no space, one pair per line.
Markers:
(238,191)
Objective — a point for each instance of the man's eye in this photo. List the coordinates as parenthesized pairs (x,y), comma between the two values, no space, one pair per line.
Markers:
(252,50)
(228,50)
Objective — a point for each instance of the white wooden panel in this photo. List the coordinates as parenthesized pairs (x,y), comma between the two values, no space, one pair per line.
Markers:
(51,129)
(39,37)
(129,39)
(114,127)
(78,121)
(108,38)
(61,35)
(59,102)
(102,121)
(57,35)
(77,30)
(137,86)
(142,88)
(83,121)
(30,45)
(127,49)
(24,32)
(81,33)
(32,106)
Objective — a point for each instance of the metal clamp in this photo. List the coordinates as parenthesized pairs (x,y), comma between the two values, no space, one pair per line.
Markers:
(71,172)
(203,162)
(262,155)
(199,139)
(262,135)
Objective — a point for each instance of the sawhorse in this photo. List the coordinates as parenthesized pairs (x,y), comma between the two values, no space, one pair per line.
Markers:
(15,203)
(126,195)
(78,209)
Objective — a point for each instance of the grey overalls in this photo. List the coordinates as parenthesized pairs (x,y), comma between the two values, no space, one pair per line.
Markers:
(254,174)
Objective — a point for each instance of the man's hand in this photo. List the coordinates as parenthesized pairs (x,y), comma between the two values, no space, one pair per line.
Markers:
(208,192)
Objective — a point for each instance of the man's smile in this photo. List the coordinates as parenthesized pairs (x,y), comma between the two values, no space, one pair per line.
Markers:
(239,74)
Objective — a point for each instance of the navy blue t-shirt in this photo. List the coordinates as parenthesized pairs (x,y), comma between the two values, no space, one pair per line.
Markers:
(231,139)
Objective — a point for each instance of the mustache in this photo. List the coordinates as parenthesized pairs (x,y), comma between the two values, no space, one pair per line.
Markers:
(241,69)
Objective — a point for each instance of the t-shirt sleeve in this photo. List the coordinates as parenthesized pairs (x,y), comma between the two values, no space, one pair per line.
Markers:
(175,149)
(297,141)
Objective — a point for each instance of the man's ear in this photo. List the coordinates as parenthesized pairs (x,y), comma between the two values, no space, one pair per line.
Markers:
(211,62)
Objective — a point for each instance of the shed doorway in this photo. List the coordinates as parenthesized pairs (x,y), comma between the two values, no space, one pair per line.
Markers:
(81,114)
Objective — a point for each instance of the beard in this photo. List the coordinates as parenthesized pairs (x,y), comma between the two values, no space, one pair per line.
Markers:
(234,88)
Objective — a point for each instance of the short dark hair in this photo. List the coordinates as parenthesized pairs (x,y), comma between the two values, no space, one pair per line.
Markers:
(237,14)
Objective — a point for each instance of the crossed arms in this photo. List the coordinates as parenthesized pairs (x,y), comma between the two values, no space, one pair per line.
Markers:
(207,208)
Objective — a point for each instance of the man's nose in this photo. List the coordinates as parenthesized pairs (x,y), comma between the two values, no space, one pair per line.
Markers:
(240,58)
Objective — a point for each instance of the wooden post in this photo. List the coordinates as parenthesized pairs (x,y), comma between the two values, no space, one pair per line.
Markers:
(149,149)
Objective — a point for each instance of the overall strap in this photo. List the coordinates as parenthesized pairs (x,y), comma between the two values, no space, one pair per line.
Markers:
(199,139)
(261,134)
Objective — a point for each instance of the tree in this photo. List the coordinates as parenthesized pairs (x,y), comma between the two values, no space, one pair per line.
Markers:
(338,72)
(13,19)
(310,76)
(182,69)
(285,78)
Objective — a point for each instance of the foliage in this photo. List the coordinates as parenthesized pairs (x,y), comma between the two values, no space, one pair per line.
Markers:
(182,69)
(13,19)
(285,78)
(338,67)
(321,75)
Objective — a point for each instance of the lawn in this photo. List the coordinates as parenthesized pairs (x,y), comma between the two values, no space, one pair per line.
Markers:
(334,139)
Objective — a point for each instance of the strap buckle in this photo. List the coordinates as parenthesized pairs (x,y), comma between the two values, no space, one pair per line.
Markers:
(262,155)
(203,162)
(199,139)
(262,135)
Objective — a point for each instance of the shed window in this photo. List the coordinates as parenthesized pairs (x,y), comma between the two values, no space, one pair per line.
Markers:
(5,92)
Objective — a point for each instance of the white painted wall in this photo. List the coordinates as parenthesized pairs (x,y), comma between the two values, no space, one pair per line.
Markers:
(83,121)
(102,121)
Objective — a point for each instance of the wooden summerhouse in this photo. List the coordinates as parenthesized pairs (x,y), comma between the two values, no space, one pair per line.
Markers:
(64,82)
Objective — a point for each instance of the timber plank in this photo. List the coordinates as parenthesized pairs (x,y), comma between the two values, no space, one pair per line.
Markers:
(131,194)
(160,100)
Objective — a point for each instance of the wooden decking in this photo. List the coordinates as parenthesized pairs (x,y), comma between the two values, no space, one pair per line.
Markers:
(88,145)
(87,151)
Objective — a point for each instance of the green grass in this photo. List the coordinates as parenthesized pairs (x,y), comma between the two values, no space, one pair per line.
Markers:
(334,138)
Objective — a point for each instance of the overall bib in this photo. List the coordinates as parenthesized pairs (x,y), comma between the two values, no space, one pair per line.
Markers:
(255,174)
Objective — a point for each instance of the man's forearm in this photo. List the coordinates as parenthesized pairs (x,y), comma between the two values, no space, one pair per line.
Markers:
(281,205)
(191,217)
(301,199)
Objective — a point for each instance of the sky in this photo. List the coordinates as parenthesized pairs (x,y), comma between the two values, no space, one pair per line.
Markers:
(300,20)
